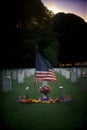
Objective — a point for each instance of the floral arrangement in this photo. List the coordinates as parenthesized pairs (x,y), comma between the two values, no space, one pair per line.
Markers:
(50,100)
(45,90)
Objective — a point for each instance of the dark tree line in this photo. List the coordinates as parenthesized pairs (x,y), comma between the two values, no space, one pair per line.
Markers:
(71,32)
(29,25)
(60,38)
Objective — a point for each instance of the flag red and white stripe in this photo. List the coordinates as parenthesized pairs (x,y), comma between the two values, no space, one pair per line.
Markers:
(45,76)
(44,71)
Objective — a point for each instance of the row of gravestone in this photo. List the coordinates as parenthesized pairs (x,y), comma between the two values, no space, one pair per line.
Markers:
(74,74)
(20,74)
(15,74)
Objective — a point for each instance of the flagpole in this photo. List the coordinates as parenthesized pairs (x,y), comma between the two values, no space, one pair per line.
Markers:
(57,86)
(35,85)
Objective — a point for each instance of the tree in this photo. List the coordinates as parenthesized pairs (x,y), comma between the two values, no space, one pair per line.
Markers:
(71,33)
(51,53)
(29,24)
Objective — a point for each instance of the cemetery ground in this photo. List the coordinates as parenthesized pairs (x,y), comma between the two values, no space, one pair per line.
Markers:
(36,116)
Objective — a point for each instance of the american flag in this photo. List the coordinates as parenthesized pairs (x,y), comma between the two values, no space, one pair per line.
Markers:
(44,71)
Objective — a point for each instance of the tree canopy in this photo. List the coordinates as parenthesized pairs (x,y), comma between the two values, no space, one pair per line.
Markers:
(61,38)
(71,31)
(29,25)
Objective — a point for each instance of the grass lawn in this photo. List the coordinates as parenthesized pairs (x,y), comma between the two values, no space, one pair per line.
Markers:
(56,116)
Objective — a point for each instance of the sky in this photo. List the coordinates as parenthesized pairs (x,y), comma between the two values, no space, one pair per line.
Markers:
(77,7)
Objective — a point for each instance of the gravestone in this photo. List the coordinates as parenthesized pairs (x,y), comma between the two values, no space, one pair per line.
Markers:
(44,83)
(79,72)
(3,73)
(29,72)
(84,71)
(8,73)
(74,70)
(84,83)
(20,76)
(63,72)
(14,74)
(32,71)
(6,84)
(73,77)
(59,71)
(67,74)
(26,73)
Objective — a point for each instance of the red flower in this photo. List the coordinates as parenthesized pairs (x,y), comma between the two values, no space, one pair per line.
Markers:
(45,89)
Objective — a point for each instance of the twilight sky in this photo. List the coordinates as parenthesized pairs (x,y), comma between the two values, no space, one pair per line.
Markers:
(78,7)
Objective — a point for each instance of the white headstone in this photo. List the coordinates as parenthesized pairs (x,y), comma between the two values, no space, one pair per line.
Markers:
(20,76)
(3,74)
(8,73)
(6,84)
(25,74)
(84,71)
(14,74)
(74,70)
(62,72)
(44,83)
(84,83)
(73,77)
(79,72)
(67,74)
(59,71)
(32,71)
(28,73)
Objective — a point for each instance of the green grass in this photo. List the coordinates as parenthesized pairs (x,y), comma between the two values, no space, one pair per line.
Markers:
(58,116)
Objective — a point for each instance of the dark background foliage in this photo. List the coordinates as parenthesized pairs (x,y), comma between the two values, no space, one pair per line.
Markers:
(60,38)
(71,33)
